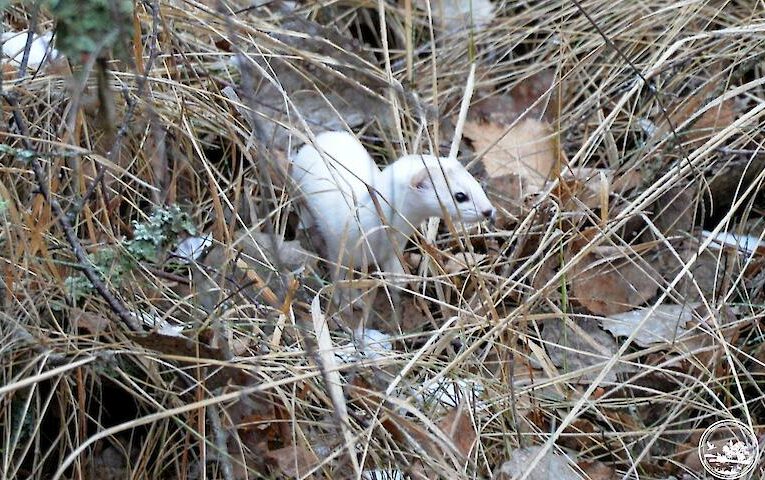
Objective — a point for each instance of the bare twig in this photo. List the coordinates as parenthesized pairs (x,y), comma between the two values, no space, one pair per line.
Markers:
(125,125)
(82,257)
(219,437)
(30,38)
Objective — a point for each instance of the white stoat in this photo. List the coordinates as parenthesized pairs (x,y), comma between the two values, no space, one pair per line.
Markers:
(343,190)
(39,51)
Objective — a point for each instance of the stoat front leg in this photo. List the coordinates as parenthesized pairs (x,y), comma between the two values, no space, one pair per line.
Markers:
(345,295)
(394,267)
(395,274)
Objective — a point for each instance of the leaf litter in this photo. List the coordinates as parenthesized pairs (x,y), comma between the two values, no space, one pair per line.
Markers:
(628,211)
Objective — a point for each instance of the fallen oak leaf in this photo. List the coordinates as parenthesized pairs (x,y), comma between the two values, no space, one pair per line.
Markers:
(712,121)
(177,345)
(529,150)
(598,470)
(581,435)
(535,96)
(578,345)
(458,426)
(458,15)
(551,466)
(293,461)
(186,349)
(90,321)
(660,324)
(608,279)
(700,127)
(607,287)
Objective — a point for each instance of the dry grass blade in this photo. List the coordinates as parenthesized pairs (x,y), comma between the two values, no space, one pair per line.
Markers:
(621,142)
(334,382)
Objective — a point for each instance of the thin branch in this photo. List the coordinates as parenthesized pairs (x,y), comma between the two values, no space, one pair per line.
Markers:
(28,44)
(82,257)
(219,436)
(649,85)
(140,88)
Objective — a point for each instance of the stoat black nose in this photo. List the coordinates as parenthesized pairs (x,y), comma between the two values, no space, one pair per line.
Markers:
(490,214)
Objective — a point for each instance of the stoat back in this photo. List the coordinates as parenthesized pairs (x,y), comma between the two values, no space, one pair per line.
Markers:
(345,168)
(333,176)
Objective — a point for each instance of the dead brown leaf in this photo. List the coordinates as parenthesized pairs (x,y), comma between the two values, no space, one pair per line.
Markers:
(712,121)
(507,193)
(405,431)
(709,123)
(673,212)
(458,426)
(92,322)
(551,466)
(728,178)
(706,279)
(259,420)
(606,288)
(194,351)
(413,316)
(611,280)
(661,324)
(529,150)
(262,422)
(692,460)
(177,345)
(545,272)
(361,391)
(597,470)
(293,461)
(106,463)
(518,160)
(684,109)
(581,345)
(591,185)
(581,435)
(532,97)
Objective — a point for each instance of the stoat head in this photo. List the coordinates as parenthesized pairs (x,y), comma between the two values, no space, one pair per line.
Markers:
(435,182)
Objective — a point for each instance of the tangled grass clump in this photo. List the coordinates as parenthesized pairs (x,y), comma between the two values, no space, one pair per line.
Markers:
(117,361)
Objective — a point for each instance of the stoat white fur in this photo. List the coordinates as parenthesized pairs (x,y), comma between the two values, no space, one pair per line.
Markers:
(343,190)
(40,50)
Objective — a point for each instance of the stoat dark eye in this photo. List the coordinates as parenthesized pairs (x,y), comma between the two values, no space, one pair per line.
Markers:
(460,197)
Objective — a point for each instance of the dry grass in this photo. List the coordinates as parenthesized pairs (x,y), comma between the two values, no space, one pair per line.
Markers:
(82,396)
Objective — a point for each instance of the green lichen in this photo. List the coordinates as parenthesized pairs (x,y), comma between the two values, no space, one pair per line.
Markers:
(92,27)
(162,228)
(150,241)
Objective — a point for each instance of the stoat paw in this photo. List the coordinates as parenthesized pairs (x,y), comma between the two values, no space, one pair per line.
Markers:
(351,298)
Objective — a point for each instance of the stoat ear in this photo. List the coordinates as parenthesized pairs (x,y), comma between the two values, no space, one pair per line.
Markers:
(420,180)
